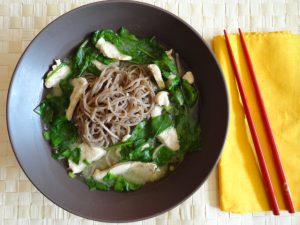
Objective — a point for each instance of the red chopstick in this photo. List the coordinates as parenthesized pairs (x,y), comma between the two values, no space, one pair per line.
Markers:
(261,160)
(283,182)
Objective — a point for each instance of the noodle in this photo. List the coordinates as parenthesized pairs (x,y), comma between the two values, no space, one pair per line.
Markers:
(119,99)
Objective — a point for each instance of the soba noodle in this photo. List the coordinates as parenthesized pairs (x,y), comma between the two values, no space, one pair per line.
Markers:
(120,98)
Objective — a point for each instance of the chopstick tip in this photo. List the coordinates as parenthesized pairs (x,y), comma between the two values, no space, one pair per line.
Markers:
(240,31)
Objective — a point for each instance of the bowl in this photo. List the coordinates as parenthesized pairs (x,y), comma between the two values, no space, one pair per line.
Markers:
(25,127)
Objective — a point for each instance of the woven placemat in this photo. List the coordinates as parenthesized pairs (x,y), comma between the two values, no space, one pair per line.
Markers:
(20,21)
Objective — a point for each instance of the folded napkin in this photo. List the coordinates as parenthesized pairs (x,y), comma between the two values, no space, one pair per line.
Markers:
(276,60)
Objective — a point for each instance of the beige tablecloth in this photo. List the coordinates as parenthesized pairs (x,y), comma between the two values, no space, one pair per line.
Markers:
(20,21)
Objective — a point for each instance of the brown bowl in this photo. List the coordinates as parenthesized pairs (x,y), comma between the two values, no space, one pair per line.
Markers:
(25,127)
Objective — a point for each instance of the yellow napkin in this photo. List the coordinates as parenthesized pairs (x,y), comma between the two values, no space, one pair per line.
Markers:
(276,60)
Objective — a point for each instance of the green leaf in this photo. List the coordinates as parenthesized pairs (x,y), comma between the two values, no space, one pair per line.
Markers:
(107,34)
(111,181)
(167,65)
(145,132)
(149,129)
(66,153)
(126,34)
(46,135)
(93,185)
(75,155)
(121,185)
(81,53)
(86,162)
(62,132)
(140,153)
(189,133)
(142,50)
(190,93)
(71,174)
(85,54)
(40,109)
(141,131)
(160,123)
(66,86)
(45,111)
(177,96)
(163,156)
(51,108)
(173,83)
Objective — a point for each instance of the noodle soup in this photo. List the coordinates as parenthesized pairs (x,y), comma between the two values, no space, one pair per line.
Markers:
(120,111)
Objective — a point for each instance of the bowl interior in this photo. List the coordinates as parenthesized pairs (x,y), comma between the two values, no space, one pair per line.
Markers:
(25,128)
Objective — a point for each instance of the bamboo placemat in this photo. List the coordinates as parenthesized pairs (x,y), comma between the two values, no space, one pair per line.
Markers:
(20,21)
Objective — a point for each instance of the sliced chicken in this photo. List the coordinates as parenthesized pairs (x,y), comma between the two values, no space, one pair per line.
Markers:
(162,98)
(189,77)
(169,138)
(59,71)
(136,172)
(109,50)
(87,154)
(79,84)
(157,75)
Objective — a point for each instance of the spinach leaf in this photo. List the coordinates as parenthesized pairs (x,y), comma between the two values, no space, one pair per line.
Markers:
(119,183)
(71,174)
(66,86)
(163,156)
(62,153)
(189,132)
(85,54)
(111,181)
(190,93)
(160,123)
(183,96)
(142,50)
(93,184)
(46,135)
(146,130)
(173,83)
(107,34)
(62,132)
(139,153)
(86,162)
(133,149)
(138,137)
(67,153)
(81,54)
(75,155)
(45,111)
(141,131)
(52,107)
(177,96)
(167,65)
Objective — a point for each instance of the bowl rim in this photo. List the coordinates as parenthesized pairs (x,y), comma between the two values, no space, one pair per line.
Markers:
(13,77)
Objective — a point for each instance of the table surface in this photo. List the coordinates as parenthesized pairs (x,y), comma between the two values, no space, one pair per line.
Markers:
(20,21)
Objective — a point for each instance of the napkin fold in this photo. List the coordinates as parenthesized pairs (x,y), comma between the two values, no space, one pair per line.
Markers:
(276,60)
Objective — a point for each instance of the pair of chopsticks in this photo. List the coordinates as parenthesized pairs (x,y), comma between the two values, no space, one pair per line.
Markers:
(261,160)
